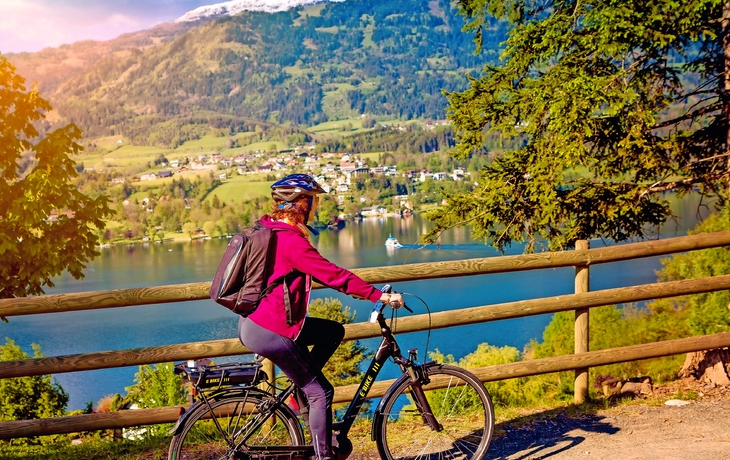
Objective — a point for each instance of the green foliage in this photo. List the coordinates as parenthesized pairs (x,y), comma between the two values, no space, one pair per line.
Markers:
(504,393)
(628,95)
(157,386)
(659,320)
(35,184)
(327,211)
(344,366)
(26,398)
(611,327)
(706,313)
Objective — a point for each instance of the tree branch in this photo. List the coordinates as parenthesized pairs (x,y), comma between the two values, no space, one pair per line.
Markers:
(682,184)
(692,115)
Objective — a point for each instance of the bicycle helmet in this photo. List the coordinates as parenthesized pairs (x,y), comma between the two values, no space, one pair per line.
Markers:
(292,186)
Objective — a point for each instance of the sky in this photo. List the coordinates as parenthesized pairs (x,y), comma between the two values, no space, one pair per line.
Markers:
(31,25)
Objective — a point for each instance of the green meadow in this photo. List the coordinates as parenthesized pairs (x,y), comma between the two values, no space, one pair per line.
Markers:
(240,188)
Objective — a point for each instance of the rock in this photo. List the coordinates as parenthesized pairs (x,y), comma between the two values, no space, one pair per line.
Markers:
(638,387)
(676,402)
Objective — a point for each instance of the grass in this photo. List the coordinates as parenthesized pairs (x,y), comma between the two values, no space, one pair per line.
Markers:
(338,126)
(263,146)
(205,143)
(335,105)
(688,395)
(309,11)
(154,448)
(240,188)
(375,156)
(236,189)
(121,157)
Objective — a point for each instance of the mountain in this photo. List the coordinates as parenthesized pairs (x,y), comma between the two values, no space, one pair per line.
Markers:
(235,7)
(299,67)
(52,67)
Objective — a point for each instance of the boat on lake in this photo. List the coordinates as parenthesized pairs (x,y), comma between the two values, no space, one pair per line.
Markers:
(391,242)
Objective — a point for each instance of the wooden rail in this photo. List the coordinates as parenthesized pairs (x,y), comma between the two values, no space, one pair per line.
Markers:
(440,320)
(583,300)
(130,418)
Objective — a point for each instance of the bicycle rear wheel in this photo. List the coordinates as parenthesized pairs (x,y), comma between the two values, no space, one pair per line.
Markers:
(241,427)
(459,402)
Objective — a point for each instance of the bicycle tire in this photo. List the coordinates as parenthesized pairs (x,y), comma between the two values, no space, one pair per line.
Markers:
(460,403)
(199,438)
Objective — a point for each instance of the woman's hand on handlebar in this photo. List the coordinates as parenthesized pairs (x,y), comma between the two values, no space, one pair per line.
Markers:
(395,300)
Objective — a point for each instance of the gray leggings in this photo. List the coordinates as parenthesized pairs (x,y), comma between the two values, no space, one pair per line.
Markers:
(303,367)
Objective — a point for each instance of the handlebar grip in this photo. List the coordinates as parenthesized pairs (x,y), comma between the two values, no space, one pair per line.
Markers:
(378,308)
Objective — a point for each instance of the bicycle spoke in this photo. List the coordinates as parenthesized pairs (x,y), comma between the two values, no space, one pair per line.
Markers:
(459,403)
(241,427)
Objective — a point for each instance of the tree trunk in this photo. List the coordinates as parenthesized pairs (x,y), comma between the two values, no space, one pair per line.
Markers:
(711,366)
(726,93)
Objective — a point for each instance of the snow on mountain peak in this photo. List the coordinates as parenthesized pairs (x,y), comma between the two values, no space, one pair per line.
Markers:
(234,7)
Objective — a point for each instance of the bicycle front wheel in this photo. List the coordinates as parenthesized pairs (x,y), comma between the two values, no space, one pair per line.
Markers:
(241,424)
(460,404)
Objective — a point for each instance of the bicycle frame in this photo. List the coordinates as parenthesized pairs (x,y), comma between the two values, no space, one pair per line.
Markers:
(388,349)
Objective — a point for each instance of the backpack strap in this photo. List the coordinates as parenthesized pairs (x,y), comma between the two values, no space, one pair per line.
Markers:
(284,280)
(287,302)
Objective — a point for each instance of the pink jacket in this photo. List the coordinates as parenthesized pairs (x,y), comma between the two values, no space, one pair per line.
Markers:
(295,252)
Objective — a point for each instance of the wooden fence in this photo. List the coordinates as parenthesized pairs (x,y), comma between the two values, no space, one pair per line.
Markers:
(581,301)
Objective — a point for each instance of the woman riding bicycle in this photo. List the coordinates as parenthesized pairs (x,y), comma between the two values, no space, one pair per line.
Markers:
(279,329)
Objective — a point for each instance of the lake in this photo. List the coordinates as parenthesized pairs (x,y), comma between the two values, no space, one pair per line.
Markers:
(357,245)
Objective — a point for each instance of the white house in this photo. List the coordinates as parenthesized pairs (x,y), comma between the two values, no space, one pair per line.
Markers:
(373,211)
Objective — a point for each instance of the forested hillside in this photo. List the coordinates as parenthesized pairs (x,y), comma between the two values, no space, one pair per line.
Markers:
(300,67)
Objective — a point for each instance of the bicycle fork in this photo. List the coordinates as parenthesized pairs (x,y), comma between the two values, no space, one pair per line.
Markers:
(418,377)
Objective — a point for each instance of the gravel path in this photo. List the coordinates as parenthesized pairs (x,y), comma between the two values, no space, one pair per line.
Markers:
(699,430)
(640,430)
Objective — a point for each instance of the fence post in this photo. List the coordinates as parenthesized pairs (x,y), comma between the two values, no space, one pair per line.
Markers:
(581,326)
(270,370)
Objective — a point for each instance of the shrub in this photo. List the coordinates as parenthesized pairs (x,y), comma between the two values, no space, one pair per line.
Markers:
(26,398)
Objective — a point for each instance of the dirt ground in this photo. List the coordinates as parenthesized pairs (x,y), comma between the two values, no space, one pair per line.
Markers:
(641,430)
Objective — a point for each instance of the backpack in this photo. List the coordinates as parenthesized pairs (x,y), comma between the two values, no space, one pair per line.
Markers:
(240,280)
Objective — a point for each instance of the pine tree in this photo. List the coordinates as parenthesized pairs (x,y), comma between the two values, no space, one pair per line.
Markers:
(614,103)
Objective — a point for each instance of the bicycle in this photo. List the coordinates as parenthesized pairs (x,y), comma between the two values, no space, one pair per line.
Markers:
(235,418)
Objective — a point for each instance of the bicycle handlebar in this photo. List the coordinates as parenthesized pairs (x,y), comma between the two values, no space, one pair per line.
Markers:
(379,306)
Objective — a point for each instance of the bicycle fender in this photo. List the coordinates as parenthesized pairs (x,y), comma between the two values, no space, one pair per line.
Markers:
(183,418)
(378,414)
